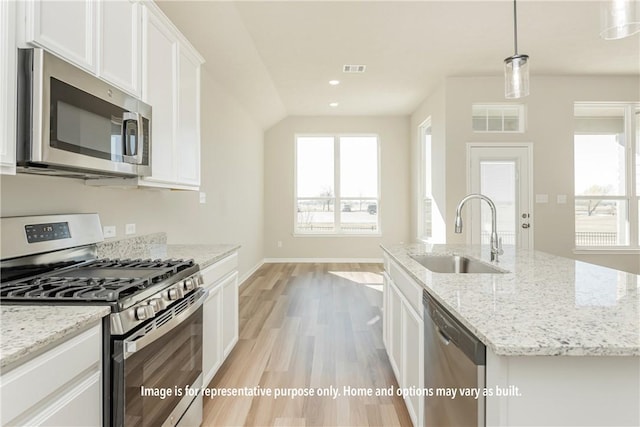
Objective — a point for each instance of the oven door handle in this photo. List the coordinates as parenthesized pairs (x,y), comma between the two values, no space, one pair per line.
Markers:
(133,345)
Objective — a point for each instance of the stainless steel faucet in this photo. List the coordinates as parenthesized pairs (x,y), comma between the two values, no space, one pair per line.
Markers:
(496,244)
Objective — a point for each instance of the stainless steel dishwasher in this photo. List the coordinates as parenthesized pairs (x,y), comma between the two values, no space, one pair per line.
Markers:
(454,360)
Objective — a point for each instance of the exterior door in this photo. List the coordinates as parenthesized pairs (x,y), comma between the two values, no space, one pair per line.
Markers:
(503,173)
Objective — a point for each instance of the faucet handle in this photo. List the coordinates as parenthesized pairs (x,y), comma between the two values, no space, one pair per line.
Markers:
(500,251)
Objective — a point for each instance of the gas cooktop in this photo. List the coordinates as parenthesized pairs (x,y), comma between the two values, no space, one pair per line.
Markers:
(102,280)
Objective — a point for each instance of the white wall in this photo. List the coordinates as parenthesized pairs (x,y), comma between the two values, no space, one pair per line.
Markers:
(232,176)
(550,128)
(393,133)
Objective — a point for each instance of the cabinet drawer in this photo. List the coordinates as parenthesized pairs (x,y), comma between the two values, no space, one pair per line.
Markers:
(407,286)
(49,373)
(220,269)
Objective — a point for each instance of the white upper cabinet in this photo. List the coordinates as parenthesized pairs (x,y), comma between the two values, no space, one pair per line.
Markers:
(132,45)
(102,37)
(160,49)
(66,28)
(188,130)
(171,75)
(120,44)
(7,88)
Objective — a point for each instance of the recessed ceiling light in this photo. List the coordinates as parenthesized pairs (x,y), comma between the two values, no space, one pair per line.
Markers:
(334,82)
(333,104)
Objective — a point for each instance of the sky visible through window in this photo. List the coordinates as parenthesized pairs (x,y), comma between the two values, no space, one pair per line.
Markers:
(599,165)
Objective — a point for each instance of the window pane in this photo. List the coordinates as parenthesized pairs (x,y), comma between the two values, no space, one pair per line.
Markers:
(427,162)
(314,166)
(315,215)
(359,215)
(599,151)
(601,222)
(427,218)
(498,183)
(359,166)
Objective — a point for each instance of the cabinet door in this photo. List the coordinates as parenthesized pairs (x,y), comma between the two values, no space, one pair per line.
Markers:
(412,360)
(7,88)
(385,310)
(160,49)
(120,44)
(395,331)
(212,334)
(65,28)
(229,313)
(187,144)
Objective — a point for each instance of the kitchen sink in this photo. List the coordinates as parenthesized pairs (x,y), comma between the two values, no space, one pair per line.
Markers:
(455,264)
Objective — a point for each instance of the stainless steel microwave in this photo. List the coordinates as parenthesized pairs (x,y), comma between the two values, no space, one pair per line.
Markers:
(73,124)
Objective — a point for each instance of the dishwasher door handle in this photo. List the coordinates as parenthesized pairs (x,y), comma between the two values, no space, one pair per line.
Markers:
(443,337)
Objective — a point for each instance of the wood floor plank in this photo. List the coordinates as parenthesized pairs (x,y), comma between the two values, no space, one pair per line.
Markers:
(309,327)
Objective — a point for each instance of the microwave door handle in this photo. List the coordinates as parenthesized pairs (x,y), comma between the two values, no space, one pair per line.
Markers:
(129,155)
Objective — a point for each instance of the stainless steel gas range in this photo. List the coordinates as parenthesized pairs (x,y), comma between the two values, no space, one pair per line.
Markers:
(153,336)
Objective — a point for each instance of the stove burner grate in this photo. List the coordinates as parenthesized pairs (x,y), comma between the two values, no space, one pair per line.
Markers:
(103,280)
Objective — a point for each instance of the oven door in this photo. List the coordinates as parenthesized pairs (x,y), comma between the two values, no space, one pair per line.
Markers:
(155,369)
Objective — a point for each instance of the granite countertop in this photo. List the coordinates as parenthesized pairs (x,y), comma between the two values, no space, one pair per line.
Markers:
(29,330)
(543,305)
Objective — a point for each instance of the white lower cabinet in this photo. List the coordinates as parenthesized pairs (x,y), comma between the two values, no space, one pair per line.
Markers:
(61,387)
(220,316)
(404,338)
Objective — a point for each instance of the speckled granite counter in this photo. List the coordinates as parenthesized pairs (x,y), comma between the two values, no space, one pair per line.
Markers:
(29,330)
(155,246)
(544,305)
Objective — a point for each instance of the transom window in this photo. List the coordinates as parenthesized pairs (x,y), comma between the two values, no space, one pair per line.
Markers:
(607,175)
(337,185)
(497,118)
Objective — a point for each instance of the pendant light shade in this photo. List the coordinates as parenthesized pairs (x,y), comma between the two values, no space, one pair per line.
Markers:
(516,67)
(619,19)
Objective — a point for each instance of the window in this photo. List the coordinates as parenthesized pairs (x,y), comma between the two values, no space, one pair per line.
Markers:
(337,185)
(606,163)
(425,210)
(497,117)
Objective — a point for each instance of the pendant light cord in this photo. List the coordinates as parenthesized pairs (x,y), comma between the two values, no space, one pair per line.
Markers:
(515,28)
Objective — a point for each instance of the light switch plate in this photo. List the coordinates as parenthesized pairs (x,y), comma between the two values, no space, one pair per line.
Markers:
(203,197)
(130,229)
(109,231)
(542,198)
(561,199)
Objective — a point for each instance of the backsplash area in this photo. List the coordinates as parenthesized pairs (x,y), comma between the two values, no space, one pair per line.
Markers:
(153,245)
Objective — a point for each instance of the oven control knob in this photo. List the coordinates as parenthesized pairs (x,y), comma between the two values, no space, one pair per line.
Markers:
(145,312)
(189,284)
(175,294)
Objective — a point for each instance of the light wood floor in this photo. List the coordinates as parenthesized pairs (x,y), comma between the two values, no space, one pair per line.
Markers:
(309,326)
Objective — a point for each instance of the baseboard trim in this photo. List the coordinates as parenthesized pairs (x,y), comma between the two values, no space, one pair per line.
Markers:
(249,273)
(323,260)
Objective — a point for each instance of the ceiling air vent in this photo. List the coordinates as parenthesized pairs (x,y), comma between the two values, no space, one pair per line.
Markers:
(354,68)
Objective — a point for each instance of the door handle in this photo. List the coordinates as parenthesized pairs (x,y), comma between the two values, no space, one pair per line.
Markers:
(526,225)
(131,156)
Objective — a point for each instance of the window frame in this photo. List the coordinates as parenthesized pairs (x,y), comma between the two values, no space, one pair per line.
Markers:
(337,198)
(422,196)
(501,106)
(631,195)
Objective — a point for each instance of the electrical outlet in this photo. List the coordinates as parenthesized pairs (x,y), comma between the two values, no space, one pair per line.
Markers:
(561,199)
(279,243)
(130,229)
(203,197)
(109,231)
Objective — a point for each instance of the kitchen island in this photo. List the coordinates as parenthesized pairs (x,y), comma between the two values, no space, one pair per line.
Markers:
(565,333)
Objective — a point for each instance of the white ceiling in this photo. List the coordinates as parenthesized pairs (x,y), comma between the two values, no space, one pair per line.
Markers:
(277,57)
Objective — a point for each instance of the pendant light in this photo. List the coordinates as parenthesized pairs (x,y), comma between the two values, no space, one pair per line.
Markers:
(516,67)
(619,19)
